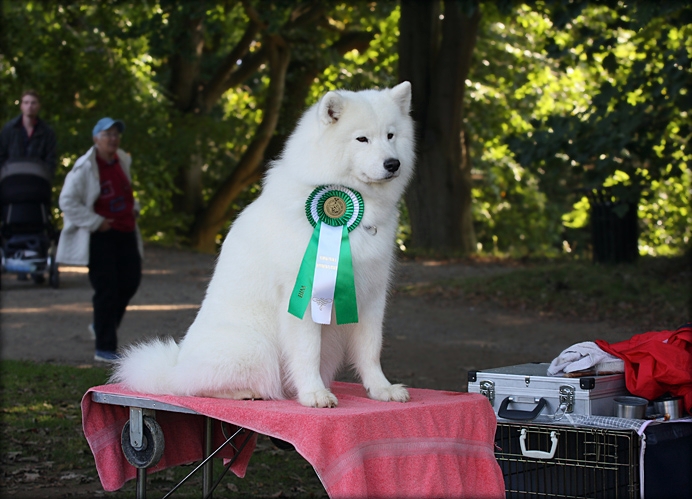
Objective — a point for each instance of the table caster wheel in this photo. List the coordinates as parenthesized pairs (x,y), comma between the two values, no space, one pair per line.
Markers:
(152,444)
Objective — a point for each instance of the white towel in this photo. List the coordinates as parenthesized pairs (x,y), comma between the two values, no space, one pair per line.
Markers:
(582,356)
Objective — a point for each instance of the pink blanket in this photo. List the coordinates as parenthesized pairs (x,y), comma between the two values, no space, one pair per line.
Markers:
(440,444)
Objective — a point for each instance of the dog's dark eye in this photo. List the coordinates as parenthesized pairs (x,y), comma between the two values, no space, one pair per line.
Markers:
(390,136)
(362,139)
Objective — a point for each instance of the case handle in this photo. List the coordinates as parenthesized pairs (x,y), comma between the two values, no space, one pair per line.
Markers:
(518,415)
(538,454)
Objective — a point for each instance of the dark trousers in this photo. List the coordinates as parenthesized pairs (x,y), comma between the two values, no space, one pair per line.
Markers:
(115,270)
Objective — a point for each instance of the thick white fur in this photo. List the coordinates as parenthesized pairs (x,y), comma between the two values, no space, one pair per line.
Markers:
(243,342)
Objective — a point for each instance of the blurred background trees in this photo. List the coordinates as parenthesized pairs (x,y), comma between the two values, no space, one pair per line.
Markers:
(523,108)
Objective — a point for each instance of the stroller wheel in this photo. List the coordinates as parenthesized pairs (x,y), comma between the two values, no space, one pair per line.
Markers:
(53,273)
(54,279)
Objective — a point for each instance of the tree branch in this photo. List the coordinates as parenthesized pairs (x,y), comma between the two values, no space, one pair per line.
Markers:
(305,15)
(249,65)
(231,74)
(253,14)
(248,169)
(217,84)
(298,87)
(350,40)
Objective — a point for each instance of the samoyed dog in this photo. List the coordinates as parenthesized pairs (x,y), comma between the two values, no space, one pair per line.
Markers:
(243,343)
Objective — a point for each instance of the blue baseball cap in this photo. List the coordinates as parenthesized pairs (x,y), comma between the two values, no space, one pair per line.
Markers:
(105,124)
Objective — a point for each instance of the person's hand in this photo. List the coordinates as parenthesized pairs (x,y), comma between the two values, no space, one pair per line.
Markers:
(105,225)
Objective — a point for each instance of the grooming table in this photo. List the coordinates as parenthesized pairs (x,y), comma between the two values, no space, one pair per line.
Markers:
(439,444)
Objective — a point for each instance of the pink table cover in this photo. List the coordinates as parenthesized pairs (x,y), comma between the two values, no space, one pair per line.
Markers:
(439,444)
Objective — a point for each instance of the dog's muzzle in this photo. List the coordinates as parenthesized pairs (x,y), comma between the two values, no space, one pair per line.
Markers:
(391,165)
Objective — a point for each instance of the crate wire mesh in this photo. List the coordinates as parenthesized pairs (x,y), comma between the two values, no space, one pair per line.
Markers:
(587,462)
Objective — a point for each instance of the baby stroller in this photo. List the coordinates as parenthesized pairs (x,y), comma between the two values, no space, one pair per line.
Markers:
(27,236)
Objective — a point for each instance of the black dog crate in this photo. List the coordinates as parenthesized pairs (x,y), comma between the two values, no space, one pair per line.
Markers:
(542,460)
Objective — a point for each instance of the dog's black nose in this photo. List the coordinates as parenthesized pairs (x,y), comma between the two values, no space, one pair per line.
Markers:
(391,165)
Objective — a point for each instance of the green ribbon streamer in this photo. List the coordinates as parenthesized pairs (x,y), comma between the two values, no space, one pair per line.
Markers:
(345,291)
(345,303)
(302,291)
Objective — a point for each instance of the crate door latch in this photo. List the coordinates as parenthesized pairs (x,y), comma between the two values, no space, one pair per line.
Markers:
(538,454)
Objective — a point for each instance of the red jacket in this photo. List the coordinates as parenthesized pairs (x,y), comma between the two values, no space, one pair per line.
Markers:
(656,363)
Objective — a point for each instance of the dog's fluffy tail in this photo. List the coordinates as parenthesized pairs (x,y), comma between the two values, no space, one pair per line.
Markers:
(148,367)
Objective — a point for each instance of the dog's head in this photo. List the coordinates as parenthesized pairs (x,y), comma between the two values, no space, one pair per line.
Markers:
(369,133)
(359,139)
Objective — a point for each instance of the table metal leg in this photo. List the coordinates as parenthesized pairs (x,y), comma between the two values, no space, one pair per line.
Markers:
(208,473)
(141,483)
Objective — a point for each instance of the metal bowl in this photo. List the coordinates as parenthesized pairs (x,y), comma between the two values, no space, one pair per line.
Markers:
(669,407)
(630,407)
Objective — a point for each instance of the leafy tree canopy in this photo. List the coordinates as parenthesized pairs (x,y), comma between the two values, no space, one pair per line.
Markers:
(630,130)
(562,96)
(546,124)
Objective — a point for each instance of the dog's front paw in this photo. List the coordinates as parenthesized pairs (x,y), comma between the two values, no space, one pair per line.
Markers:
(318,398)
(391,393)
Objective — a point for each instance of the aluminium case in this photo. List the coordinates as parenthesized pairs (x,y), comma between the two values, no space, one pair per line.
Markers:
(524,391)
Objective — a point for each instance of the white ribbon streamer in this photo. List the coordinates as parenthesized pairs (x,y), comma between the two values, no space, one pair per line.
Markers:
(324,283)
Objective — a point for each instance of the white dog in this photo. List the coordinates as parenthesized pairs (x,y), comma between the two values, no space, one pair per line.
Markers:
(244,343)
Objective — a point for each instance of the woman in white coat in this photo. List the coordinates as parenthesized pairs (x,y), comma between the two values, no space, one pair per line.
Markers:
(100,231)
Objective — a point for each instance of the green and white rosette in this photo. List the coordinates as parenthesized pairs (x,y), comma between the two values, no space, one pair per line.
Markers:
(325,279)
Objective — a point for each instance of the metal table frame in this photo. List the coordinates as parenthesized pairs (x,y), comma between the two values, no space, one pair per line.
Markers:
(141,407)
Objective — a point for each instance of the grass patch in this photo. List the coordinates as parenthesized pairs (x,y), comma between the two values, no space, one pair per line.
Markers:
(652,294)
(41,414)
(45,454)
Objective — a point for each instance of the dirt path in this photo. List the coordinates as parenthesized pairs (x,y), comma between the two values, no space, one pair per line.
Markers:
(429,342)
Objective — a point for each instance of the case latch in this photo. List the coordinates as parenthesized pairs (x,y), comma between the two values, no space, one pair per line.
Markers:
(567,398)
(487,388)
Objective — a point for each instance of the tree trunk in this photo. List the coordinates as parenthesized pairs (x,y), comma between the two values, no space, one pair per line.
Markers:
(185,67)
(249,170)
(435,56)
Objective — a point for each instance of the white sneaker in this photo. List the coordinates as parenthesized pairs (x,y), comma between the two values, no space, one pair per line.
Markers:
(92,333)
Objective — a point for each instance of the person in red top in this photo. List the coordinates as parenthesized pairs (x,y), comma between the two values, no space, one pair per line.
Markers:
(116,202)
(100,230)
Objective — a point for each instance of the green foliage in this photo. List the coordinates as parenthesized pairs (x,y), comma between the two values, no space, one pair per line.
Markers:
(83,72)
(115,59)
(633,130)
(513,83)
(562,96)
(373,67)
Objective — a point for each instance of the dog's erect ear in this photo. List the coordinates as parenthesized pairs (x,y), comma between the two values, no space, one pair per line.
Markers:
(402,96)
(330,108)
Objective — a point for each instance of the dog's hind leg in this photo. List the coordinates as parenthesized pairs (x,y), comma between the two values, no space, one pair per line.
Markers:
(302,351)
(228,360)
